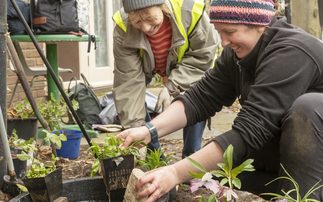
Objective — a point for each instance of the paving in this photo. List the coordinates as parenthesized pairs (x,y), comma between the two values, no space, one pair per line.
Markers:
(220,123)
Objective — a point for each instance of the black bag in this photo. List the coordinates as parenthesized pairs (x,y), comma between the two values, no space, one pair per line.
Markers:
(89,104)
(54,16)
(15,26)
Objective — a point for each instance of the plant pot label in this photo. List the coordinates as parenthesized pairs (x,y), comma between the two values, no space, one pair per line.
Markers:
(117,177)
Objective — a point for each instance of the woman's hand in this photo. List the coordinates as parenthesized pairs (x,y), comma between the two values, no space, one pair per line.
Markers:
(162,181)
(140,134)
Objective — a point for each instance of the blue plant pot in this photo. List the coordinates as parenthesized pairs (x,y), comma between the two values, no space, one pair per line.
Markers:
(71,147)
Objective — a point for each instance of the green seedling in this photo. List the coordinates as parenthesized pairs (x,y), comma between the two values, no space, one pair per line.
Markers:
(38,169)
(228,174)
(111,148)
(153,159)
(286,197)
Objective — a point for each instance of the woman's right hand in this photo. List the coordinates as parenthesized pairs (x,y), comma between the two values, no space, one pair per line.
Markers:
(162,180)
(140,134)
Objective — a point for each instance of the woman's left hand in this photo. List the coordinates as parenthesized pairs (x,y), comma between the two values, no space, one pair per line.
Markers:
(162,181)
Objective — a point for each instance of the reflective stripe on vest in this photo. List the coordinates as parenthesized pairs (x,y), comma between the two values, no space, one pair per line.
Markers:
(194,11)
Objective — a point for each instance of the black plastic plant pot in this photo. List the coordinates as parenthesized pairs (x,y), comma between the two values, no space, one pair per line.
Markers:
(26,128)
(45,189)
(86,189)
(19,166)
(116,171)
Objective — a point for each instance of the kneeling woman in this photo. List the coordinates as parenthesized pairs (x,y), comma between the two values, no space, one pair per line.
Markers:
(275,69)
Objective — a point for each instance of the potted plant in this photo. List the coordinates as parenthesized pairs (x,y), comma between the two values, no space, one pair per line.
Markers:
(17,145)
(116,164)
(44,179)
(52,111)
(22,118)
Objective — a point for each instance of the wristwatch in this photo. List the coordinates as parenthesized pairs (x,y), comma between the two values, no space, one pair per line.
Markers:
(153,131)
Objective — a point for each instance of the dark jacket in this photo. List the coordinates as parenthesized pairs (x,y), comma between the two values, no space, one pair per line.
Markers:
(14,24)
(285,64)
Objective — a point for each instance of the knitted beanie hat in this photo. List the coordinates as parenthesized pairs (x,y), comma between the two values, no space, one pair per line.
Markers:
(132,5)
(253,12)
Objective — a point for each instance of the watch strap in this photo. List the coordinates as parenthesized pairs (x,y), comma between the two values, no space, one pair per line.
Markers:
(153,131)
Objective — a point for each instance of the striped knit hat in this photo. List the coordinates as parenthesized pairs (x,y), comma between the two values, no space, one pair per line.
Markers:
(253,12)
(132,5)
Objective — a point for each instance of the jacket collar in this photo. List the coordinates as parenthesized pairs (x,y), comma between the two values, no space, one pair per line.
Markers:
(250,60)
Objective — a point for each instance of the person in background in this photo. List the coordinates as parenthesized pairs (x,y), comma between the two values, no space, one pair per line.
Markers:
(171,38)
(275,69)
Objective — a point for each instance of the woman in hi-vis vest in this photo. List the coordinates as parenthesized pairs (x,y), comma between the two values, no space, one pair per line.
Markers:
(172,38)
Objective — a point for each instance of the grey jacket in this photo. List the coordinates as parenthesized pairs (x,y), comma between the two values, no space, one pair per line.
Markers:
(132,72)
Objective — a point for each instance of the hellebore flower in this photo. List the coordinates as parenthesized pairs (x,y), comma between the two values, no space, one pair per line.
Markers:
(229,194)
(206,181)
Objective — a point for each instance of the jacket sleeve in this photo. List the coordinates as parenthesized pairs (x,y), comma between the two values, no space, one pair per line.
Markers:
(203,43)
(210,94)
(129,87)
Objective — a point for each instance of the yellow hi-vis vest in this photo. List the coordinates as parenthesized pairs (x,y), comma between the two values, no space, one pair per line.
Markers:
(183,9)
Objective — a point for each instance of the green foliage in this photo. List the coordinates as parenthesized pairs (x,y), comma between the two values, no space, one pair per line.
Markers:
(212,198)
(22,188)
(22,109)
(15,141)
(55,138)
(13,138)
(228,174)
(38,169)
(153,159)
(287,194)
(111,149)
(52,111)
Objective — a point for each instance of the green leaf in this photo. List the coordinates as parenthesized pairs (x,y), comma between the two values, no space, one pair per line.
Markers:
(62,137)
(227,158)
(23,157)
(212,198)
(245,166)
(22,188)
(219,173)
(236,182)
(196,165)
(224,181)
(196,175)
(202,199)
(95,167)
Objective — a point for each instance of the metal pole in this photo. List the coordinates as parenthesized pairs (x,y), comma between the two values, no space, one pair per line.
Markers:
(288,11)
(3,81)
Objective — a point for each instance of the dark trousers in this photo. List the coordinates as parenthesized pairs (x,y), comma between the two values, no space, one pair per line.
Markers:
(299,149)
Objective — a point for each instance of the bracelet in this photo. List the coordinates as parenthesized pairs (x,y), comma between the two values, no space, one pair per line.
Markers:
(153,131)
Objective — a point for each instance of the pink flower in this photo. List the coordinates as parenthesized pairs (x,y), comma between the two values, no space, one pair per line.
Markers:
(210,184)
